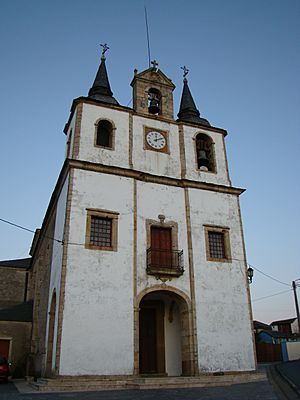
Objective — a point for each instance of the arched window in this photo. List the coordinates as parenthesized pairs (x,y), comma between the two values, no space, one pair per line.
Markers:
(154,101)
(104,136)
(205,153)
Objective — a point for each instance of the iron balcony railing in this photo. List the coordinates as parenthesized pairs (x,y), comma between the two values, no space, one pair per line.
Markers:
(164,262)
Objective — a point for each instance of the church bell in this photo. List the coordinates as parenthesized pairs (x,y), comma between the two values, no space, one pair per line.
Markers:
(203,161)
(153,104)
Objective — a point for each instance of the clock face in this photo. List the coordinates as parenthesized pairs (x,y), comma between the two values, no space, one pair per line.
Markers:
(156,140)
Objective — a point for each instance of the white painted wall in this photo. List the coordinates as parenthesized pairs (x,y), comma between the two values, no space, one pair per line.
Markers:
(223,321)
(70,136)
(295,326)
(56,263)
(293,350)
(97,336)
(89,152)
(152,200)
(172,340)
(146,160)
(155,162)
(98,312)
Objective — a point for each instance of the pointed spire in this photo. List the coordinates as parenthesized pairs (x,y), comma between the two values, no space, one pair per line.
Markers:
(188,111)
(101,88)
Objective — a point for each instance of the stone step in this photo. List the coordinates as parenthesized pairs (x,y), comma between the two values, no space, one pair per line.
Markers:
(96,383)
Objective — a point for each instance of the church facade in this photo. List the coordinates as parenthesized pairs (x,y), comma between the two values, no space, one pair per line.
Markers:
(142,241)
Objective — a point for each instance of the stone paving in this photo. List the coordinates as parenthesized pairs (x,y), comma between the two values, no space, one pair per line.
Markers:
(247,391)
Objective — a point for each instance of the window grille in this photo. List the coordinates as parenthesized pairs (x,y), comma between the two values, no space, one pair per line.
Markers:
(101,231)
(216,242)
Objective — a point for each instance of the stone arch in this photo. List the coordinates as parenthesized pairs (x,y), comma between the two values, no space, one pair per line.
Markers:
(105,133)
(154,101)
(205,154)
(171,310)
(167,288)
(51,324)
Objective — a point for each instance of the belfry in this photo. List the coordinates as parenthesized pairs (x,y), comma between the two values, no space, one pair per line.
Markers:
(148,273)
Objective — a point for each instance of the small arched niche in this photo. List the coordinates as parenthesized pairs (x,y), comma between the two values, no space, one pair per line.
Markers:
(154,101)
(205,153)
(104,134)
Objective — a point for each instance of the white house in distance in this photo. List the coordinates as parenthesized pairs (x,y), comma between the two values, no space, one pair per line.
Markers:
(140,263)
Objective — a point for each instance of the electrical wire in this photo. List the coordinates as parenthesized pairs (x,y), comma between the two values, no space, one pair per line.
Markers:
(81,244)
(28,230)
(271,295)
(269,276)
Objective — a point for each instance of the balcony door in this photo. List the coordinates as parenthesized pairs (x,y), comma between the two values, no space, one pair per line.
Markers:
(161,246)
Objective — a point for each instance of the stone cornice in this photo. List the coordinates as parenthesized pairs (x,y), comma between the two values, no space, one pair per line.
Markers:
(147,177)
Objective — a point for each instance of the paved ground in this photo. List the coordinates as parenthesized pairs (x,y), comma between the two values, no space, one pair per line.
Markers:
(291,370)
(249,391)
(283,383)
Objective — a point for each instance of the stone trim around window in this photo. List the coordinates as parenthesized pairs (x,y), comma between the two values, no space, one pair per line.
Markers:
(161,223)
(226,240)
(113,134)
(113,217)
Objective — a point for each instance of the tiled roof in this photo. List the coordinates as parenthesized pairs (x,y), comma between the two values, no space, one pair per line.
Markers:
(19,263)
(283,321)
(261,325)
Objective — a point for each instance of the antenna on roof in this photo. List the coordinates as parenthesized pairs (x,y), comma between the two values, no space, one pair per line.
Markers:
(148,40)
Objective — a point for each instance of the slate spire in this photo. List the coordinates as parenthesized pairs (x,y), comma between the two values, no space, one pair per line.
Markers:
(188,111)
(101,88)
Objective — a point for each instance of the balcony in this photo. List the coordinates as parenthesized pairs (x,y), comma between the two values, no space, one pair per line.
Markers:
(164,262)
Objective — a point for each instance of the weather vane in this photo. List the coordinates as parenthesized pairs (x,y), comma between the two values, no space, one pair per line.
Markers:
(104,49)
(155,64)
(185,71)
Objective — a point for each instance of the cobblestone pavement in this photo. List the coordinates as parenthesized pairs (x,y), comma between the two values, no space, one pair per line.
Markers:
(248,391)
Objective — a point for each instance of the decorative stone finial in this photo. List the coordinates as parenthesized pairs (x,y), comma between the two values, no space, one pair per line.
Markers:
(161,218)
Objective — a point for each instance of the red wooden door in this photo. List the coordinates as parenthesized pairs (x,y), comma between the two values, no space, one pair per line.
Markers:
(161,247)
(4,348)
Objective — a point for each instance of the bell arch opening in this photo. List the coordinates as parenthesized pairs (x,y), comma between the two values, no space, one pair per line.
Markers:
(165,339)
(154,101)
(205,153)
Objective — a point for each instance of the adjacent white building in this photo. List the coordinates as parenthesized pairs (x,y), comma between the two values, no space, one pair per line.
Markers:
(148,273)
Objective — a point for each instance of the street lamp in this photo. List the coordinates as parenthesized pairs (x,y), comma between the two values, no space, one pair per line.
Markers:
(250,274)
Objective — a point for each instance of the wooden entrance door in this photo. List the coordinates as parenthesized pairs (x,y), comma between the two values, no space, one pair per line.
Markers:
(161,247)
(148,341)
(152,337)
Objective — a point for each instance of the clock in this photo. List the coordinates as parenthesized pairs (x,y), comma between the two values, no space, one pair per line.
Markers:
(156,140)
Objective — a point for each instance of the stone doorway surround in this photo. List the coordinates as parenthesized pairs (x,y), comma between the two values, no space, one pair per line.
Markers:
(175,302)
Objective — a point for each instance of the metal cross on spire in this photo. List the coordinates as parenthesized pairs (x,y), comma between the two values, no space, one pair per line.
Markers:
(185,71)
(155,64)
(104,49)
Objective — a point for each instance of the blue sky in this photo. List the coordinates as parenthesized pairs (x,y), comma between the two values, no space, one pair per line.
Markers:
(244,64)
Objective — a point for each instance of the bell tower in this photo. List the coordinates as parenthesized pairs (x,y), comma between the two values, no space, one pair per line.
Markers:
(153,93)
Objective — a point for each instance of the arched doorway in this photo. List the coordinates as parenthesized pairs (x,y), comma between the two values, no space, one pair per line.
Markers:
(51,336)
(165,340)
